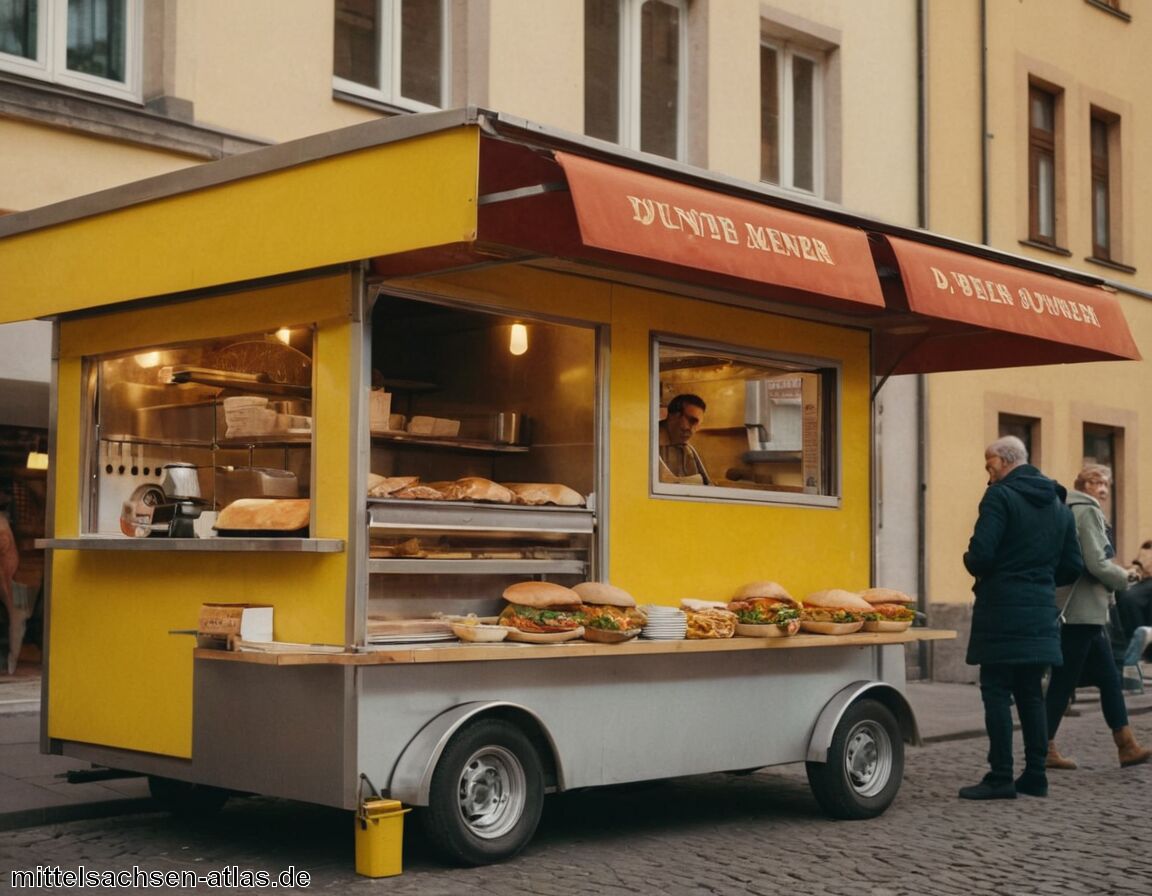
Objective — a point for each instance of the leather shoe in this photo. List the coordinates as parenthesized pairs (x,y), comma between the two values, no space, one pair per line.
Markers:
(987,791)
(1032,785)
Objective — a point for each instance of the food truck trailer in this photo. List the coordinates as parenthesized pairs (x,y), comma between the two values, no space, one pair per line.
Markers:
(462,296)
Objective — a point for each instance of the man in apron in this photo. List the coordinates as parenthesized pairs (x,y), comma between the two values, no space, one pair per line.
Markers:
(679,461)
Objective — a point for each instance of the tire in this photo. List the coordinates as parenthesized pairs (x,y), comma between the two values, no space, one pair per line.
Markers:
(865,764)
(185,799)
(486,795)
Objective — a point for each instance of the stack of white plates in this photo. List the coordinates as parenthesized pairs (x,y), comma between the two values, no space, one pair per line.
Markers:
(664,623)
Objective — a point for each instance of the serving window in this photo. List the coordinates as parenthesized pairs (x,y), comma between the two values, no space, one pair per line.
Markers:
(177,432)
(733,423)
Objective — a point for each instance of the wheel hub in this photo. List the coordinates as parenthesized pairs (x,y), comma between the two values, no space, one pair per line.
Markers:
(868,758)
(492,792)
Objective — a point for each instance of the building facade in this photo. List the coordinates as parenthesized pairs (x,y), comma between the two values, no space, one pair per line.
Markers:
(1035,147)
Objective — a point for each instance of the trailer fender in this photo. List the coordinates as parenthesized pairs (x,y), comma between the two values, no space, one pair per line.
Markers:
(412,775)
(833,710)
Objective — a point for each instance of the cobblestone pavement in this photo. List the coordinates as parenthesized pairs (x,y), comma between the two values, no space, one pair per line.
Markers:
(722,834)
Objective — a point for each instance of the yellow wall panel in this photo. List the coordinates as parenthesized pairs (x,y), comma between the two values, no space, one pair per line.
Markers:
(389,198)
(665,549)
(117,676)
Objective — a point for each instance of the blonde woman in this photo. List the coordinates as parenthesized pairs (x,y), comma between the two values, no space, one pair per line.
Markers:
(1083,640)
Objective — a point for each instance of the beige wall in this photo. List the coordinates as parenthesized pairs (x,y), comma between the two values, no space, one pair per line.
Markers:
(1096,58)
(43,165)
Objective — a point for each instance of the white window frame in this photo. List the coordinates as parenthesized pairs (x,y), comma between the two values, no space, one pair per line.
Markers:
(785,53)
(388,92)
(51,60)
(630,74)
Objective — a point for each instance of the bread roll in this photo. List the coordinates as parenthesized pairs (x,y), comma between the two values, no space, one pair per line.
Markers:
(604,594)
(382,486)
(418,492)
(476,488)
(887,625)
(545,493)
(267,514)
(761,589)
(886,596)
(541,595)
(837,597)
(690,603)
(830,628)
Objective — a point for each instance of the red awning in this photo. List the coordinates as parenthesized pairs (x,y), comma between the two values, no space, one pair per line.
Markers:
(630,213)
(966,312)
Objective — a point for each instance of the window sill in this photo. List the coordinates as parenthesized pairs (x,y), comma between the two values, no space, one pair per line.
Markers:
(1111,10)
(376,105)
(60,107)
(1112,265)
(1045,247)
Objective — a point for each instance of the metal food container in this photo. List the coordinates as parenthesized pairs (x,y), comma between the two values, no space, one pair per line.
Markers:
(255,482)
(192,422)
(506,427)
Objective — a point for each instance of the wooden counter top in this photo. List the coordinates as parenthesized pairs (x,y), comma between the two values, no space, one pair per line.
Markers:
(459,652)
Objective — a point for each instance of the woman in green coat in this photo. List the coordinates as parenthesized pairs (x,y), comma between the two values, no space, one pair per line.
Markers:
(1083,640)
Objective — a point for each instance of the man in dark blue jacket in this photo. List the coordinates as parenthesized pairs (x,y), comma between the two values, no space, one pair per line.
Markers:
(1023,546)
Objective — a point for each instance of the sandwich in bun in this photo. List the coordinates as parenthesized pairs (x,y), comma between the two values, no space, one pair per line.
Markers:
(542,612)
(609,613)
(891,610)
(833,612)
(707,619)
(765,610)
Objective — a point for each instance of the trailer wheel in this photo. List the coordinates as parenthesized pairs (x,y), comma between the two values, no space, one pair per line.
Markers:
(865,763)
(185,799)
(486,795)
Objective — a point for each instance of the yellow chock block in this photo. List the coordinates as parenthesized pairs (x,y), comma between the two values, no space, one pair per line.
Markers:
(380,838)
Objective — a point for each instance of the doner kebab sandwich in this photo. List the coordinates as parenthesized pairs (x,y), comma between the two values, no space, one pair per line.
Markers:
(610,614)
(765,609)
(833,612)
(891,611)
(542,612)
(707,619)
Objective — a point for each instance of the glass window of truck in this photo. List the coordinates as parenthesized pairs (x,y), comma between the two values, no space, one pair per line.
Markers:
(735,423)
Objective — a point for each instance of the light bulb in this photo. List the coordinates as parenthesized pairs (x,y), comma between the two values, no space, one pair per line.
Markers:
(284,335)
(518,339)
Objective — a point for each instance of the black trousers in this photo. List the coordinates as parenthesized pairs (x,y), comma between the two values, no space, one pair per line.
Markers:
(1000,685)
(1087,657)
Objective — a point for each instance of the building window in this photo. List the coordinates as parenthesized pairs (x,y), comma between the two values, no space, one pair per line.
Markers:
(634,73)
(791,100)
(91,45)
(1026,429)
(1105,134)
(1042,165)
(738,424)
(1104,445)
(394,51)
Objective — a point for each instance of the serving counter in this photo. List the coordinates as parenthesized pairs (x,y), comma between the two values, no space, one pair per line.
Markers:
(461,652)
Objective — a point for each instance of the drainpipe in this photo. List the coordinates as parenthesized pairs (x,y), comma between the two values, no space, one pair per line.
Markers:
(985,140)
(924,652)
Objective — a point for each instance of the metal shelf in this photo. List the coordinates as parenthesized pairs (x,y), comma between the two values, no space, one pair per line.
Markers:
(472,567)
(212,545)
(453,443)
(389,513)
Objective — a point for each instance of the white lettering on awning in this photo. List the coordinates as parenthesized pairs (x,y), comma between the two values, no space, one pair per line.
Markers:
(982,289)
(709,225)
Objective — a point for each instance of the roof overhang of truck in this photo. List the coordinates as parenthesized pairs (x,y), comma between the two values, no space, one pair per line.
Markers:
(417,195)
